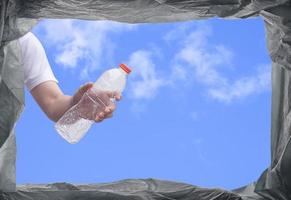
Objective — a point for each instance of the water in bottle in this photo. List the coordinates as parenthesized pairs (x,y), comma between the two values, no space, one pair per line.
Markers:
(75,123)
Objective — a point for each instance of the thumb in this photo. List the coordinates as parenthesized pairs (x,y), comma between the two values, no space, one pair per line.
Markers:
(80,92)
(84,88)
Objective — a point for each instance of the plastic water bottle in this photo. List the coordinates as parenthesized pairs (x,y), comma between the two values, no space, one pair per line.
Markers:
(72,126)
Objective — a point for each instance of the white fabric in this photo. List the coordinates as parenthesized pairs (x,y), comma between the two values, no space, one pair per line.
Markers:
(35,63)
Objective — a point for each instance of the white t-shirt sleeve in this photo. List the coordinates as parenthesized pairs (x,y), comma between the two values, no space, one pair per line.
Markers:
(35,63)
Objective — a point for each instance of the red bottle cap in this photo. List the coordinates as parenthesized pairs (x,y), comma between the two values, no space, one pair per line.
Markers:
(125,68)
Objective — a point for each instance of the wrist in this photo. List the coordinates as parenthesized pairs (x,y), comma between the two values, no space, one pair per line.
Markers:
(71,101)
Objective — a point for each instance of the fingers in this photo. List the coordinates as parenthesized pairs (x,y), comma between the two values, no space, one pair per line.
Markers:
(78,95)
(107,113)
(118,96)
(110,108)
(114,94)
(100,119)
(85,87)
(103,99)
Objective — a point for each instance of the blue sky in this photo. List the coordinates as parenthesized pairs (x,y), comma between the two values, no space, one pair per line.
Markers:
(196,108)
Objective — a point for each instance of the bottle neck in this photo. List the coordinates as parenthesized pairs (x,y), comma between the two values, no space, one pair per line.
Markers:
(122,71)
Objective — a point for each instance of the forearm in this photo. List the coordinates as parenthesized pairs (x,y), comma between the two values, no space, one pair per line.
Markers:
(57,107)
(52,100)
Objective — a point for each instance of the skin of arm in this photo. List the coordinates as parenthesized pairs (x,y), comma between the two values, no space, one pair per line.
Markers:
(54,103)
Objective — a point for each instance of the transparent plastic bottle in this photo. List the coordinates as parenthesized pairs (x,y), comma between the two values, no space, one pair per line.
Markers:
(72,126)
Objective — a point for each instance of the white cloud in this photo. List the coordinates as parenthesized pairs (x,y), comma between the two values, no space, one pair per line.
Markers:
(206,61)
(196,58)
(81,42)
(179,73)
(243,87)
(177,33)
(144,80)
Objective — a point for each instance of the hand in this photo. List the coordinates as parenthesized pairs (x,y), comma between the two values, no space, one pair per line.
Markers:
(95,104)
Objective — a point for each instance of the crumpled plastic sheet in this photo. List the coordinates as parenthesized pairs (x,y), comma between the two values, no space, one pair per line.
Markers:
(131,189)
(18,16)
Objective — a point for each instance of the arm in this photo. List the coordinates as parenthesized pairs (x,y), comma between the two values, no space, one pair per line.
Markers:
(42,84)
(54,103)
